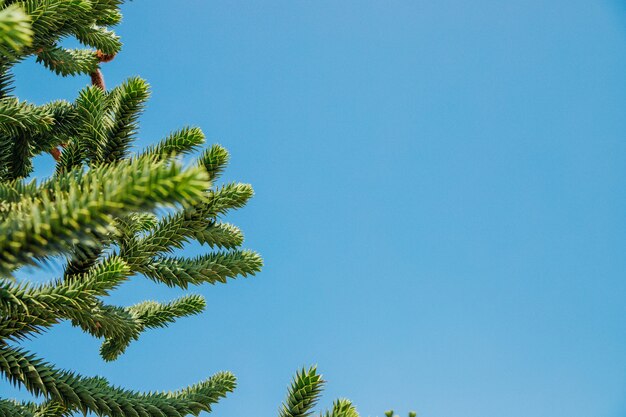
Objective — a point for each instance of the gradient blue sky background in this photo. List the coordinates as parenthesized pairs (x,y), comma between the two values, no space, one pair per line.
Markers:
(441,190)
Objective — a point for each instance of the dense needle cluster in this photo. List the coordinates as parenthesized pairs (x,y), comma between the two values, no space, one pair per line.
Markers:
(97,213)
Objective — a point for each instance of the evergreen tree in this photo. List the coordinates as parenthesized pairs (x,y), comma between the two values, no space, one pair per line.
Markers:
(97,214)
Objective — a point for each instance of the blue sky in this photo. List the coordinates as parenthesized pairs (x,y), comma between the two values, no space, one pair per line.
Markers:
(441,189)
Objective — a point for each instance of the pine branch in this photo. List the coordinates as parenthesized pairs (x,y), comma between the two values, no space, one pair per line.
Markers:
(181,142)
(13,409)
(46,409)
(97,396)
(211,268)
(82,260)
(220,235)
(100,38)
(125,104)
(12,191)
(16,116)
(72,157)
(133,224)
(15,30)
(56,18)
(303,394)
(6,78)
(228,197)
(215,160)
(79,207)
(64,126)
(176,229)
(342,408)
(31,130)
(64,61)
(151,314)
(91,108)
(98,204)
(25,308)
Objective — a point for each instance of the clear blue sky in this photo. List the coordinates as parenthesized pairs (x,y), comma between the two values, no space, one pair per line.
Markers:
(441,200)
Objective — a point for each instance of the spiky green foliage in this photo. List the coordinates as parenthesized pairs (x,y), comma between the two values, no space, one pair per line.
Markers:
(304,393)
(342,408)
(390,413)
(75,393)
(100,212)
(15,30)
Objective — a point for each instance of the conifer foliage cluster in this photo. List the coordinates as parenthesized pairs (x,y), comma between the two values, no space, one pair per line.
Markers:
(97,214)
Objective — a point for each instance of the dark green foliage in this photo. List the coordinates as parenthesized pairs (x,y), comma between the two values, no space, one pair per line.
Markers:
(390,413)
(305,391)
(75,393)
(303,394)
(98,211)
